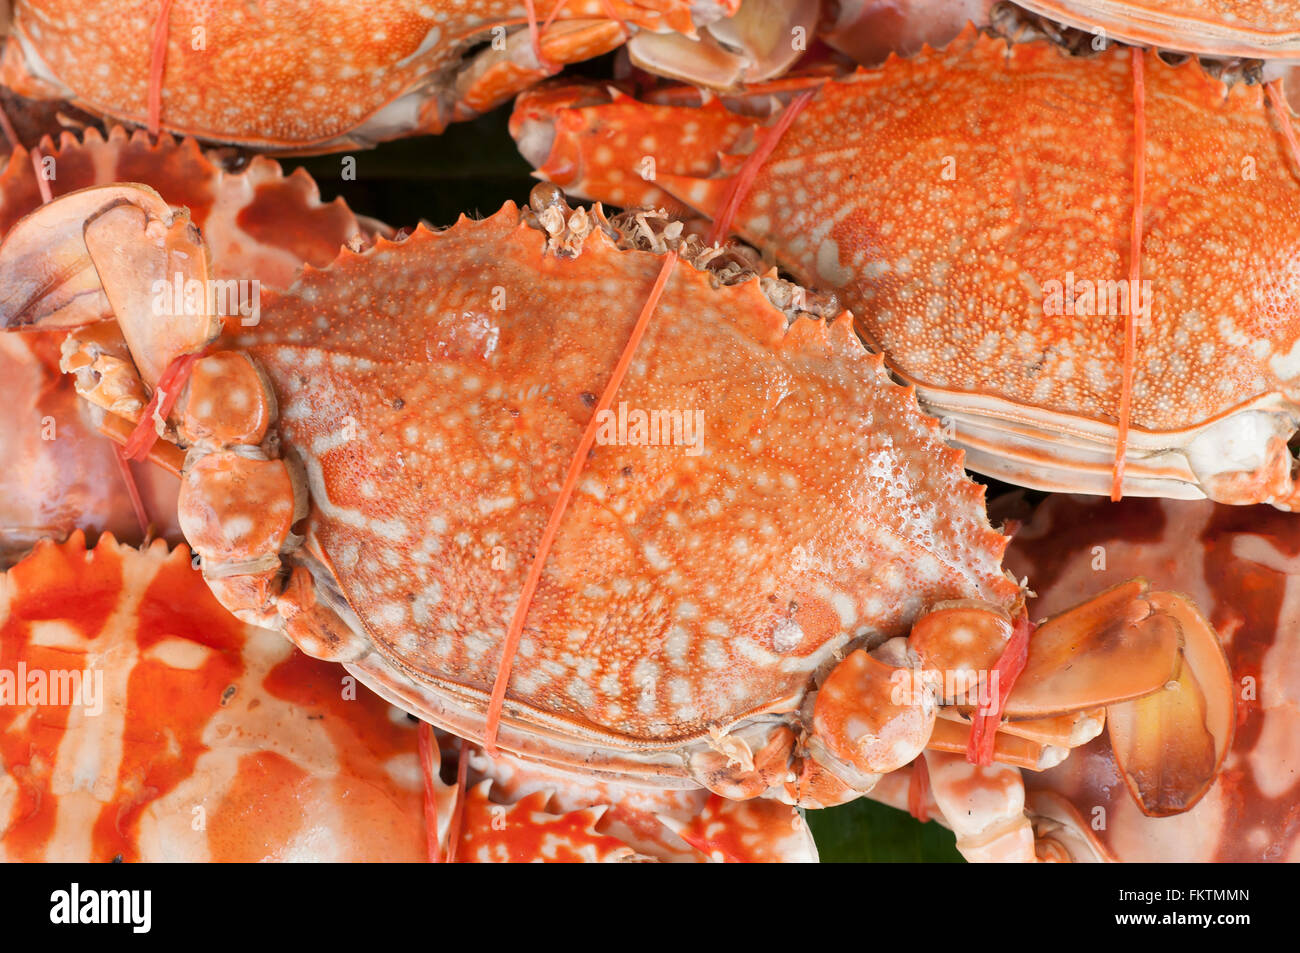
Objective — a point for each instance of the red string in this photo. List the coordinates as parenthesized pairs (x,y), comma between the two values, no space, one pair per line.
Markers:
(132,491)
(744,179)
(458,812)
(169,388)
(1275,98)
(918,789)
(984,727)
(535,36)
(551,19)
(516,630)
(424,735)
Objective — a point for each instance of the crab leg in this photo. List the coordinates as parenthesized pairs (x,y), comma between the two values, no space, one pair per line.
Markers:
(1005,748)
(1118,651)
(494,76)
(985,806)
(757,38)
(1061,834)
(434,790)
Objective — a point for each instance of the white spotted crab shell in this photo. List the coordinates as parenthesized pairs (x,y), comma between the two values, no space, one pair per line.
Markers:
(433,391)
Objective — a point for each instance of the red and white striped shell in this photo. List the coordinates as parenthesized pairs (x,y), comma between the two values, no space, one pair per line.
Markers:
(200,738)
(196,737)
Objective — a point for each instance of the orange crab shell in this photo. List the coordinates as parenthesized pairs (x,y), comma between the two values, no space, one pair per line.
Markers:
(1235,28)
(950,201)
(434,390)
(298,76)
(1243,565)
(204,739)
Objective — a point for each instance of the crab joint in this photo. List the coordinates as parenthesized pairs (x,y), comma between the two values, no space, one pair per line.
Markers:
(860,719)
(236,509)
(229,403)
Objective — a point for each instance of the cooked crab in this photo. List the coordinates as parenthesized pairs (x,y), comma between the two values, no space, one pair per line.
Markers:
(989,255)
(302,76)
(793,602)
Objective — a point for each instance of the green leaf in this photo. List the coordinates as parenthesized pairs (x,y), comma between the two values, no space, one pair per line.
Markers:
(867,831)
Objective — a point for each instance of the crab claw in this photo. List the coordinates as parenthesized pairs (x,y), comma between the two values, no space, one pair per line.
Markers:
(111,251)
(870,718)
(496,75)
(1169,745)
(755,44)
(563,129)
(1149,659)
